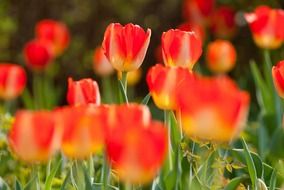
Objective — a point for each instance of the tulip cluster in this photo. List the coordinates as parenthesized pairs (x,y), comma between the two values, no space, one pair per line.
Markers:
(51,39)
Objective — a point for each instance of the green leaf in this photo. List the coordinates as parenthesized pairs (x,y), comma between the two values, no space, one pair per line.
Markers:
(48,182)
(65,182)
(250,164)
(235,182)
(18,185)
(146,99)
(88,181)
(3,185)
(273,178)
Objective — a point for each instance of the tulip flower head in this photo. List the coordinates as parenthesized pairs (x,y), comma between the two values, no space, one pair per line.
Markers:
(163,83)
(101,64)
(223,22)
(213,109)
(33,136)
(194,27)
(267,27)
(37,55)
(54,33)
(125,46)
(221,56)
(181,48)
(136,147)
(278,78)
(83,92)
(12,80)
(83,130)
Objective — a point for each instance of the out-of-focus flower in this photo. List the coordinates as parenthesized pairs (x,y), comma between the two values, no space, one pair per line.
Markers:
(33,136)
(83,130)
(83,92)
(53,33)
(266,26)
(164,82)
(136,146)
(198,10)
(223,23)
(125,46)
(101,64)
(12,80)
(37,55)
(213,109)
(181,48)
(278,78)
(194,27)
(133,77)
(221,56)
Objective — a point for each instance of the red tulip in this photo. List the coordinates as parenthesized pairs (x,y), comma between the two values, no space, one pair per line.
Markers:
(83,130)
(54,33)
(213,109)
(194,27)
(223,22)
(136,146)
(83,92)
(181,48)
(33,136)
(126,46)
(164,82)
(267,27)
(101,64)
(221,56)
(37,55)
(198,10)
(278,78)
(12,80)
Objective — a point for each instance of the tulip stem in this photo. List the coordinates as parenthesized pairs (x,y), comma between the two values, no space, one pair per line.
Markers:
(105,173)
(124,80)
(167,121)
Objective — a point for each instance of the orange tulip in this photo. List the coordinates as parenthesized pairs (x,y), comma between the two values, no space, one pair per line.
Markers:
(213,109)
(101,64)
(12,80)
(194,27)
(54,33)
(267,27)
(221,56)
(223,22)
(37,55)
(163,83)
(125,46)
(181,48)
(83,130)
(198,10)
(33,136)
(83,92)
(278,78)
(135,147)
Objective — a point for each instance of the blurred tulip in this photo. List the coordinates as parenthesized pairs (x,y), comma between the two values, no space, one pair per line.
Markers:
(198,11)
(135,148)
(194,27)
(221,56)
(223,23)
(213,109)
(12,80)
(83,130)
(267,27)
(133,77)
(125,46)
(164,82)
(83,92)
(37,55)
(33,136)
(181,48)
(278,78)
(54,33)
(101,64)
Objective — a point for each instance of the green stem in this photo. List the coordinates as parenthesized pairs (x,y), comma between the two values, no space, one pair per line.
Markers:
(191,167)
(124,80)
(37,91)
(91,166)
(168,124)
(128,186)
(105,173)
(35,175)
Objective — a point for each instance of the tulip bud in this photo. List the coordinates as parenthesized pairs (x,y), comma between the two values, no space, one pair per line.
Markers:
(101,64)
